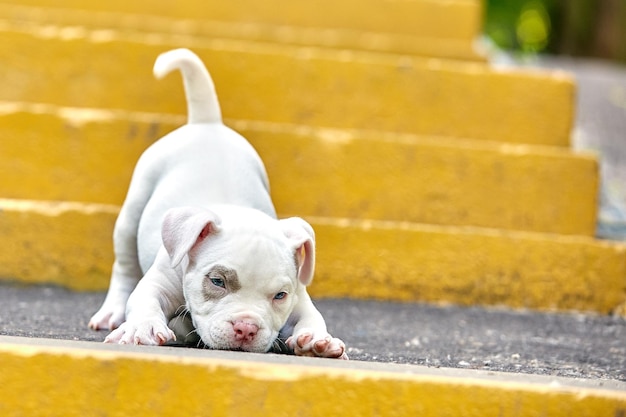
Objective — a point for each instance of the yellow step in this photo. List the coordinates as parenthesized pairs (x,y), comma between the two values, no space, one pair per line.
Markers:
(268,82)
(64,243)
(59,153)
(68,379)
(70,244)
(423,27)
(428,180)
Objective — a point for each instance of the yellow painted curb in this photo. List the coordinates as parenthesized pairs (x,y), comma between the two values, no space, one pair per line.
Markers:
(79,379)
(73,154)
(70,244)
(368,175)
(310,86)
(78,154)
(467,266)
(424,27)
(64,243)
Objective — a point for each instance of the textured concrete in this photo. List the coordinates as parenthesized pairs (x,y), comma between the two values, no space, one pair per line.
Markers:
(79,380)
(310,86)
(69,244)
(424,27)
(577,346)
(81,154)
(600,126)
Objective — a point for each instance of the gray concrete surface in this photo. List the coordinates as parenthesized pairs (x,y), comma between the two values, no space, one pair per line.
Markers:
(566,345)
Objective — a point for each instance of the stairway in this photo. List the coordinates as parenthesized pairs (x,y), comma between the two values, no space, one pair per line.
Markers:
(444,180)
(427,174)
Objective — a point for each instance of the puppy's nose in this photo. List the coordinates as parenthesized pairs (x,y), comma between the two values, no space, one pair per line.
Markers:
(244,331)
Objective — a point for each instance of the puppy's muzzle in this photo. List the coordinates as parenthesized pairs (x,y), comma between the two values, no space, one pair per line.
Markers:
(244,331)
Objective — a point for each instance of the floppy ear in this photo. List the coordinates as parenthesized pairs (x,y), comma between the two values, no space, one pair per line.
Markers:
(302,236)
(185,227)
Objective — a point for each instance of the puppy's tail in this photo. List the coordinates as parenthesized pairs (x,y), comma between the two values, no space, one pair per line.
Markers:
(202,104)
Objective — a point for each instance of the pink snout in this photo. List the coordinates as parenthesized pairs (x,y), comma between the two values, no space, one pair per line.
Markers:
(245,331)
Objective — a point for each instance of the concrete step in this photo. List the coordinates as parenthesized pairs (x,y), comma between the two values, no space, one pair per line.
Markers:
(421,27)
(69,244)
(101,62)
(72,66)
(78,154)
(143,380)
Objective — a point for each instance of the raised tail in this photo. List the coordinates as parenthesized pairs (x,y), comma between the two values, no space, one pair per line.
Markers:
(202,104)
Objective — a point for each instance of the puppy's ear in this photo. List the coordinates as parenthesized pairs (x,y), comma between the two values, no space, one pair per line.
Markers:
(302,236)
(185,227)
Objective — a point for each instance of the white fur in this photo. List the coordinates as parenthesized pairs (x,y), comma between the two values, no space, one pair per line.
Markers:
(199,226)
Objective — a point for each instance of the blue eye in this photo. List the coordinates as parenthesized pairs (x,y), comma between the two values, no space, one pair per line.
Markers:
(281,295)
(218,282)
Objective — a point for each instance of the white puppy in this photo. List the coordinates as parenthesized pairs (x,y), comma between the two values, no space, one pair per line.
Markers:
(199,225)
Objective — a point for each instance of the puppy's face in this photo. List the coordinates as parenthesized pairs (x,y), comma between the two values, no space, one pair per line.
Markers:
(241,300)
(241,279)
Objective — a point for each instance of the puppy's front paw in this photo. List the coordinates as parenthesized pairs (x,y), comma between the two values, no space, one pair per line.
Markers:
(108,317)
(309,343)
(146,332)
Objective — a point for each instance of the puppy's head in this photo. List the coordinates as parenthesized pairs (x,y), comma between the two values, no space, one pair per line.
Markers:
(242,272)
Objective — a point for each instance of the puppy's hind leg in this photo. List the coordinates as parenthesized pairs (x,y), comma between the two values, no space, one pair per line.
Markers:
(112,313)
(124,278)
(126,269)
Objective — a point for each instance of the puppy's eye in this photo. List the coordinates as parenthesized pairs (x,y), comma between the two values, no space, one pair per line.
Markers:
(281,295)
(218,282)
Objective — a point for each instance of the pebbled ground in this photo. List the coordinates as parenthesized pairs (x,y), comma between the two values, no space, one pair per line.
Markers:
(570,345)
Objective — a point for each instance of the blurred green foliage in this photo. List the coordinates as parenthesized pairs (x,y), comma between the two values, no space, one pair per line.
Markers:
(594,28)
(524,25)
